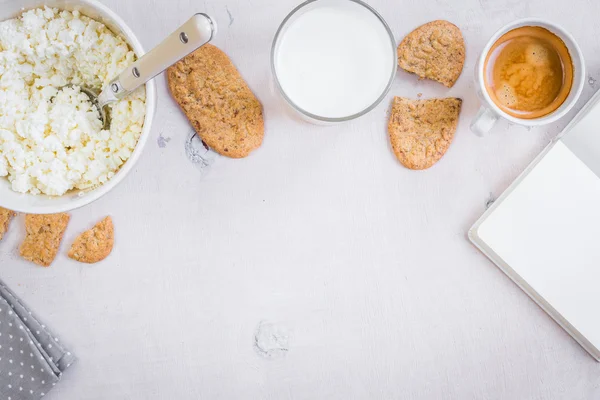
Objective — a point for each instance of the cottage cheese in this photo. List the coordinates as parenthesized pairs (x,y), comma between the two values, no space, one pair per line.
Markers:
(51,136)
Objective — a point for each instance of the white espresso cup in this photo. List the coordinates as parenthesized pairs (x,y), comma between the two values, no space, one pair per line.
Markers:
(489,112)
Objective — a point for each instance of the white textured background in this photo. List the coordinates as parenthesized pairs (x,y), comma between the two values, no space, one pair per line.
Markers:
(359,266)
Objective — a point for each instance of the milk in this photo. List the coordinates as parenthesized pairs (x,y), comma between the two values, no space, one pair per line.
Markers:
(334,58)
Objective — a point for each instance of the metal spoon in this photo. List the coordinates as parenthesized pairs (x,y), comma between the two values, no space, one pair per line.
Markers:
(196,32)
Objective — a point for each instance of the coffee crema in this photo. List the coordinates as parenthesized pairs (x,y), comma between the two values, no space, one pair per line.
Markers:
(529,72)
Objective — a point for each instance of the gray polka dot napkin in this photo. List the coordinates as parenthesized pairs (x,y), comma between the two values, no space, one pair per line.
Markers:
(32,359)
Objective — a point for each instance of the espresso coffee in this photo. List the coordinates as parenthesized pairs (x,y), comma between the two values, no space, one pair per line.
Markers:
(529,72)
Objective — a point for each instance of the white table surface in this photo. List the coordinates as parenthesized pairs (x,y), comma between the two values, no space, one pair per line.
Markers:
(359,266)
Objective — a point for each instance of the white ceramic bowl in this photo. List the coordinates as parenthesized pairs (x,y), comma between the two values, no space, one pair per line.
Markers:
(41,204)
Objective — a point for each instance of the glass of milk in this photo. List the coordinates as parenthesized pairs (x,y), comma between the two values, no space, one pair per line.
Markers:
(333,60)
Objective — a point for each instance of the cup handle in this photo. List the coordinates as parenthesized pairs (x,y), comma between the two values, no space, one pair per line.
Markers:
(483,121)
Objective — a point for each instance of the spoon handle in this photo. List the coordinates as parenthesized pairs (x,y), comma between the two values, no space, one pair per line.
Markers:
(197,31)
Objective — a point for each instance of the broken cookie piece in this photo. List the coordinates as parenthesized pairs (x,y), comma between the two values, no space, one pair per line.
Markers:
(434,51)
(217,101)
(94,245)
(421,130)
(43,236)
(5,217)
